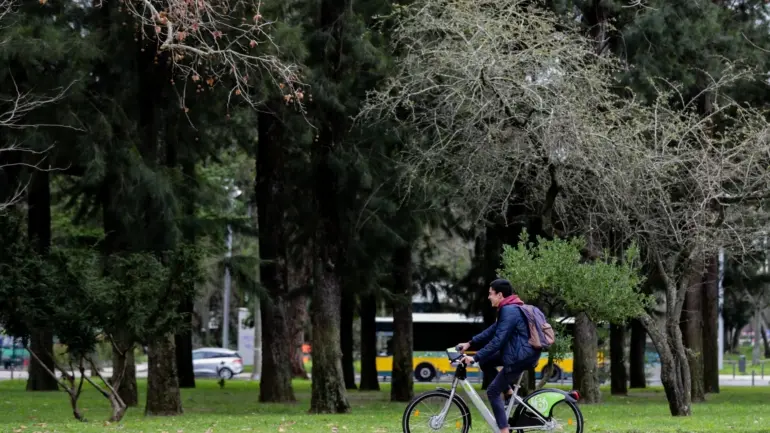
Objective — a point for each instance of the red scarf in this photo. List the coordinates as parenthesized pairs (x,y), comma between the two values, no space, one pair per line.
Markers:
(513,299)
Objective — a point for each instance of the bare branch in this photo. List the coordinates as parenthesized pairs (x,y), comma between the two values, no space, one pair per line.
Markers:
(208,45)
(507,102)
(13,110)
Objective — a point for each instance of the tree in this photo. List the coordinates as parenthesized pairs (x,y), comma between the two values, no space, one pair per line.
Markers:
(69,294)
(216,42)
(605,289)
(498,107)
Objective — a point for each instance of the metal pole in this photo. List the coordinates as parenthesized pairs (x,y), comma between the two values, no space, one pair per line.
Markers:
(226,297)
(721,324)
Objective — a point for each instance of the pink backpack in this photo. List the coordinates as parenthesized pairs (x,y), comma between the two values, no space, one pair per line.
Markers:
(541,335)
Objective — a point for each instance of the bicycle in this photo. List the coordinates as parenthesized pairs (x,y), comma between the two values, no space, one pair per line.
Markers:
(533,412)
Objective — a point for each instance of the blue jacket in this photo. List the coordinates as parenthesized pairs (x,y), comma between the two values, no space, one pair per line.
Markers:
(509,335)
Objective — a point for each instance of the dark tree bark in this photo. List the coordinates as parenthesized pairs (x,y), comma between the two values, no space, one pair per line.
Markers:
(328,389)
(299,317)
(710,287)
(765,342)
(346,337)
(123,361)
(41,342)
(692,334)
(299,275)
(183,338)
(271,197)
(39,233)
(674,364)
(637,377)
(585,374)
(618,376)
(163,395)
(369,380)
(275,385)
(528,383)
(402,388)
(183,347)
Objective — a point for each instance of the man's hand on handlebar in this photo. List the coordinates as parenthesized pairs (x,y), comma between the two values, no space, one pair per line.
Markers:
(467,360)
(462,347)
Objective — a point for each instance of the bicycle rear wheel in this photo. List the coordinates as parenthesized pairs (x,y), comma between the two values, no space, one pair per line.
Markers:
(565,415)
(422,414)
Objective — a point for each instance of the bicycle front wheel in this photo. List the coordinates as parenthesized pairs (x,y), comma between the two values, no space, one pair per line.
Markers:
(423,414)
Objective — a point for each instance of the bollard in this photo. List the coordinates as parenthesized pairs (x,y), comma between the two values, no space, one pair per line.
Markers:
(742,364)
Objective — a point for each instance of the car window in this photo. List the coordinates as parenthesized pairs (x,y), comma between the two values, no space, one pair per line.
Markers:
(198,355)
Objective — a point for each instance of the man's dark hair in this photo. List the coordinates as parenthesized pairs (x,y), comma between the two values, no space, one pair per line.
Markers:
(502,286)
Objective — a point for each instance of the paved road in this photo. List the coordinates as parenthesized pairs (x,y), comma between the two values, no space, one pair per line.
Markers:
(725,380)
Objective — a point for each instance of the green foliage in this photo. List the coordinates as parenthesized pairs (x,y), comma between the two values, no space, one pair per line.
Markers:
(62,290)
(142,294)
(554,271)
(69,291)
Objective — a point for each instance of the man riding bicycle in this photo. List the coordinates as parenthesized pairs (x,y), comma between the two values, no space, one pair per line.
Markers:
(506,344)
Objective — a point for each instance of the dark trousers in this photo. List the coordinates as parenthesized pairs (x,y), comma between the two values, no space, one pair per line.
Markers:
(502,383)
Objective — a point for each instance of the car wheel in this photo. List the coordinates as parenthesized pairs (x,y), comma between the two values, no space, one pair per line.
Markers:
(225,373)
(424,372)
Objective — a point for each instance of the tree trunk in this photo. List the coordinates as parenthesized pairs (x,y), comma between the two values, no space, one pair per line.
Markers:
(328,389)
(402,388)
(528,383)
(369,379)
(183,338)
(272,200)
(275,385)
(710,295)
(618,376)
(585,374)
(736,340)
(39,234)
(126,364)
(674,368)
(691,325)
(163,395)
(674,365)
(765,342)
(183,347)
(636,355)
(299,316)
(346,337)
(299,274)
(39,379)
(256,373)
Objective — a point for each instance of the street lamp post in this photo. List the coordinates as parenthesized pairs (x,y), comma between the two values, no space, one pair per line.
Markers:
(233,193)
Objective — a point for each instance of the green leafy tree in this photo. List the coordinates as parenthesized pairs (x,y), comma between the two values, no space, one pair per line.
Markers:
(555,274)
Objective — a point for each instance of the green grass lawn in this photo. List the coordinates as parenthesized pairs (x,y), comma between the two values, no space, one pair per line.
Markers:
(209,409)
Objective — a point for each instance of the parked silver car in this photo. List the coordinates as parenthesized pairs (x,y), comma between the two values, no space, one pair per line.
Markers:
(216,362)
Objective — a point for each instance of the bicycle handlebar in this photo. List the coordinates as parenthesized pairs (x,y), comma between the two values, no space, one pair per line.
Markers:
(461,355)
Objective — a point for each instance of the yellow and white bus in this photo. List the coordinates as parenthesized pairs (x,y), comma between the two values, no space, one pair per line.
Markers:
(433,333)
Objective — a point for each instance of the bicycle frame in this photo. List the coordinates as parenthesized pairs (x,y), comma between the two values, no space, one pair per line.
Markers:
(460,379)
